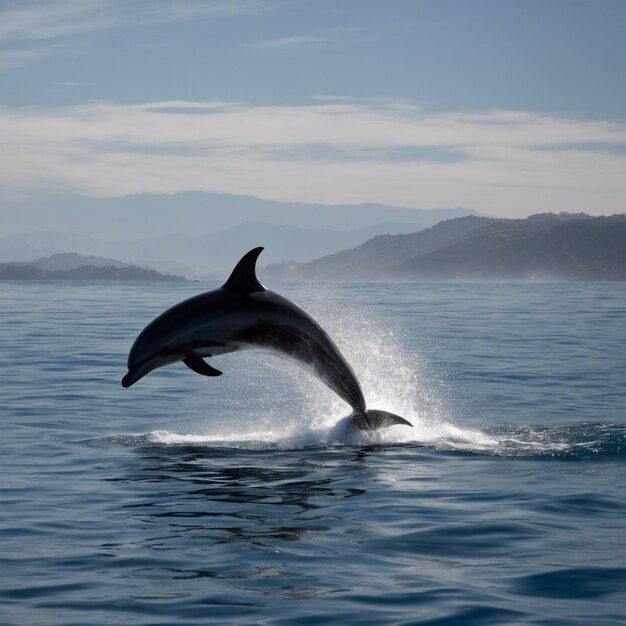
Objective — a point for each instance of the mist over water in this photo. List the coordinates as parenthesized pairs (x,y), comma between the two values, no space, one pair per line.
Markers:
(243,499)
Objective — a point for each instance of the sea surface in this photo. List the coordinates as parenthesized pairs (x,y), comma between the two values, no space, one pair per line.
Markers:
(238,500)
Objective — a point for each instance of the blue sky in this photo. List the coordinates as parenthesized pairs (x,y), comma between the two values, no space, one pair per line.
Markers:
(510,107)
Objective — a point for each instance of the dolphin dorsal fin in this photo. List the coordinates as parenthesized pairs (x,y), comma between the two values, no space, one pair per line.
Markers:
(243,277)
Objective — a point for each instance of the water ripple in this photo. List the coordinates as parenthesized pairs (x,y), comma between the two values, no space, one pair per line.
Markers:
(243,500)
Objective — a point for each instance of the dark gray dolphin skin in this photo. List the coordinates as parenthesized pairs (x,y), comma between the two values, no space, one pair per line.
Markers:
(242,315)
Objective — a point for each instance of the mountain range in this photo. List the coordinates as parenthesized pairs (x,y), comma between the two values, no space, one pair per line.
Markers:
(540,247)
(212,253)
(201,235)
(198,233)
(197,213)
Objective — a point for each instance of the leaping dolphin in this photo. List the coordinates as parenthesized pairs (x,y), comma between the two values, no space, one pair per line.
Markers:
(242,315)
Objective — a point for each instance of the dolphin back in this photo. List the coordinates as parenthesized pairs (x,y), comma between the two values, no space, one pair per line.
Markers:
(286,330)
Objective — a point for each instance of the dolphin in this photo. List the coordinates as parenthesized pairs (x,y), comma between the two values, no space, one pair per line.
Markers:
(242,315)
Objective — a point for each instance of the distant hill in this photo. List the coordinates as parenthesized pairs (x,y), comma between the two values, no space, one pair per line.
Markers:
(576,249)
(213,253)
(64,261)
(16,249)
(540,247)
(197,213)
(373,259)
(197,233)
(72,266)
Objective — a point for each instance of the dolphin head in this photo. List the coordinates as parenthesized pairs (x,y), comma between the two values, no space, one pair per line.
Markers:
(176,334)
(152,349)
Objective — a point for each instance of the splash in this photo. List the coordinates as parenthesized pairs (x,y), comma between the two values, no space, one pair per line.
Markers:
(293,409)
(270,403)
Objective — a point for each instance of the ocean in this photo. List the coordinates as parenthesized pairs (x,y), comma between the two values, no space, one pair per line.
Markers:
(238,500)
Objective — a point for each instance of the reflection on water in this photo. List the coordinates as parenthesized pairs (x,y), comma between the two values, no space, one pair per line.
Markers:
(221,496)
(238,530)
(243,525)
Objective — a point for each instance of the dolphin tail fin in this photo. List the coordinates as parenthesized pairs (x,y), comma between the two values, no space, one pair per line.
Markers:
(243,277)
(375,419)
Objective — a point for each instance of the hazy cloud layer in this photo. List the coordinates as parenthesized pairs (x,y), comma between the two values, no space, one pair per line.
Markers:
(502,162)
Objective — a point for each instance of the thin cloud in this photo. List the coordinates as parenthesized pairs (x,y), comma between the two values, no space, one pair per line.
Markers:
(329,98)
(50,19)
(54,19)
(226,8)
(10,59)
(497,161)
(286,42)
(325,35)
(38,21)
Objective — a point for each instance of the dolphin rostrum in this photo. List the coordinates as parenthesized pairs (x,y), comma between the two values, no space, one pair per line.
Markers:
(242,315)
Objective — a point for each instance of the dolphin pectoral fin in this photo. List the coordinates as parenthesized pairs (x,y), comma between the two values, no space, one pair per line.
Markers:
(199,365)
(375,419)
